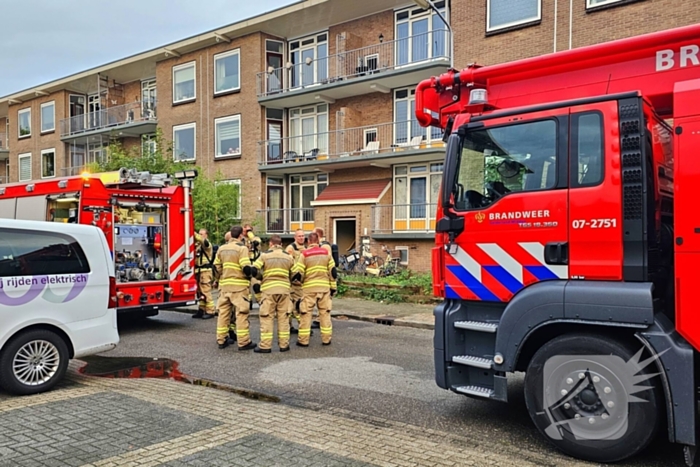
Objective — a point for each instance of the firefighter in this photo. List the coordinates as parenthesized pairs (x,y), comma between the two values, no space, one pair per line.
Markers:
(316,270)
(253,242)
(326,246)
(276,266)
(234,269)
(204,274)
(231,322)
(294,249)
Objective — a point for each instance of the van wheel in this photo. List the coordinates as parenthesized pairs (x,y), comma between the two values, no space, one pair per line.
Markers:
(583,396)
(33,362)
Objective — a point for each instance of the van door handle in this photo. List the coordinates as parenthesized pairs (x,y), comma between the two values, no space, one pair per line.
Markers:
(556,253)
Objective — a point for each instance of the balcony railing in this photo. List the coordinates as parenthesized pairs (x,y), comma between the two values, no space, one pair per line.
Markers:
(3,142)
(286,221)
(403,218)
(377,58)
(383,138)
(109,118)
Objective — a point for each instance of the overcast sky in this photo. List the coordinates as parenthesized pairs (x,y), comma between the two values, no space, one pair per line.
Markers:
(42,40)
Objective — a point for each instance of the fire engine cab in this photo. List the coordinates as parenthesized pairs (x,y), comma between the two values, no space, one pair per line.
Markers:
(147,222)
(568,239)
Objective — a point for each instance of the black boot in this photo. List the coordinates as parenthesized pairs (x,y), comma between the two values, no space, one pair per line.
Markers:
(199,314)
(315,325)
(293,330)
(250,345)
(284,349)
(302,345)
(207,316)
(226,343)
(259,350)
(232,336)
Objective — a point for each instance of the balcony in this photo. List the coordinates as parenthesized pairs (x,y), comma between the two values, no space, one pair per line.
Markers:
(4,148)
(286,221)
(128,120)
(403,220)
(375,68)
(402,142)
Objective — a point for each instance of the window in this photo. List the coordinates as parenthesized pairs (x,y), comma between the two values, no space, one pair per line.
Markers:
(32,253)
(48,118)
(421,35)
(149,97)
(501,160)
(24,125)
(228,136)
(309,58)
(183,142)
(230,191)
(184,82)
(303,189)
(48,163)
(308,129)
(502,14)
(407,129)
(403,255)
(595,3)
(587,145)
(227,71)
(25,167)
(149,145)
(275,118)
(416,191)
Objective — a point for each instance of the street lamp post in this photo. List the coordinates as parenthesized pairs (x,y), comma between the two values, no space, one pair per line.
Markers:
(429,5)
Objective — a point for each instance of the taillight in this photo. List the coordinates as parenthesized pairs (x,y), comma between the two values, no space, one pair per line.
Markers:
(112,302)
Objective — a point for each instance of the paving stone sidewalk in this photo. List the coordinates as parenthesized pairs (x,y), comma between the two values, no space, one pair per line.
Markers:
(101,422)
(396,314)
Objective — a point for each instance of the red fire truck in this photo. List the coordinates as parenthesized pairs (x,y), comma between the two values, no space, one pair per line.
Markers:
(147,221)
(568,239)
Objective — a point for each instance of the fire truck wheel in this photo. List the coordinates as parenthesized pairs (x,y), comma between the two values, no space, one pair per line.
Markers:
(582,394)
(33,362)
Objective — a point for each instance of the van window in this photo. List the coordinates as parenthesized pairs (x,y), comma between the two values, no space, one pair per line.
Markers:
(32,253)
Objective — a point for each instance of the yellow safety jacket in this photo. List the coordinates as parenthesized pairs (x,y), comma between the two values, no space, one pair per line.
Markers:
(229,263)
(276,266)
(203,247)
(315,265)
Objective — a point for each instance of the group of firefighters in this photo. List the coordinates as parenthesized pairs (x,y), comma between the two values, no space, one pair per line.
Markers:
(288,283)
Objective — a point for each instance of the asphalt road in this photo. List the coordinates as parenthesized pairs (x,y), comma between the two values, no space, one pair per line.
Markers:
(370,369)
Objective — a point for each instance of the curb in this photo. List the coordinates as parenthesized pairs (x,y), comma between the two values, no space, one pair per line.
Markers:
(388,321)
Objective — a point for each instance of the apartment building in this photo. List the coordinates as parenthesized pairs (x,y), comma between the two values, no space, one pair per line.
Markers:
(310,108)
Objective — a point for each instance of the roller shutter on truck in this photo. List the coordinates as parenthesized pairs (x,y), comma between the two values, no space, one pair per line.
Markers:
(31,208)
(7,208)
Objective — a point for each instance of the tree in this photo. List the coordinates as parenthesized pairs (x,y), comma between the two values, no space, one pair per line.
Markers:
(215,203)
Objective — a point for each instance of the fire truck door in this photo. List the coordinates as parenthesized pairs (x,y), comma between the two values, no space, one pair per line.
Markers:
(511,190)
(595,222)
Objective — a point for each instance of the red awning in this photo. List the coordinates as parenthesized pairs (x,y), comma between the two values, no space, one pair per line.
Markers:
(360,192)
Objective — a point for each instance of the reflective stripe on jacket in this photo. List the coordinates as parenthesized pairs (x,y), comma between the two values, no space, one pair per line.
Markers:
(276,266)
(315,265)
(229,263)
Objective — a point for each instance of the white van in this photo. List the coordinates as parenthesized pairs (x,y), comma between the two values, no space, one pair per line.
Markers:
(57,301)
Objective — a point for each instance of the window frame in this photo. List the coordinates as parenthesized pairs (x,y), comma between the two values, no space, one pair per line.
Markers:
(235,181)
(229,118)
(149,139)
(222,55)
(41,115)
(302,183)
(430,205)
(558,176)
(606,3)
(402,248)
(415,13)
(512,24)
(26,155)
(48,151)
(312,41)
(574,149)
(295,142)
(20,112)
(186,126)
(183,66)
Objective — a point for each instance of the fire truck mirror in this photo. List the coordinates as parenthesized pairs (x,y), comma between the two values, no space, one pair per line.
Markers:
(450,170)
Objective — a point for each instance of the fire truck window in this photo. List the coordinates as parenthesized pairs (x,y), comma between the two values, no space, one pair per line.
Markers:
(508,159)
(30,253)
(587,135)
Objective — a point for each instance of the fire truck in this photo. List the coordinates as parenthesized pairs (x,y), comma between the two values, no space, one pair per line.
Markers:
(147,222)
(568,239)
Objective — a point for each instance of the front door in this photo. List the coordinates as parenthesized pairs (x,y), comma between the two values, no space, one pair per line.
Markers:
(275,211)
(512,191)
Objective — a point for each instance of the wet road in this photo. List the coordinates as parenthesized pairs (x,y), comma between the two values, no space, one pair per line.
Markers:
(382,371)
